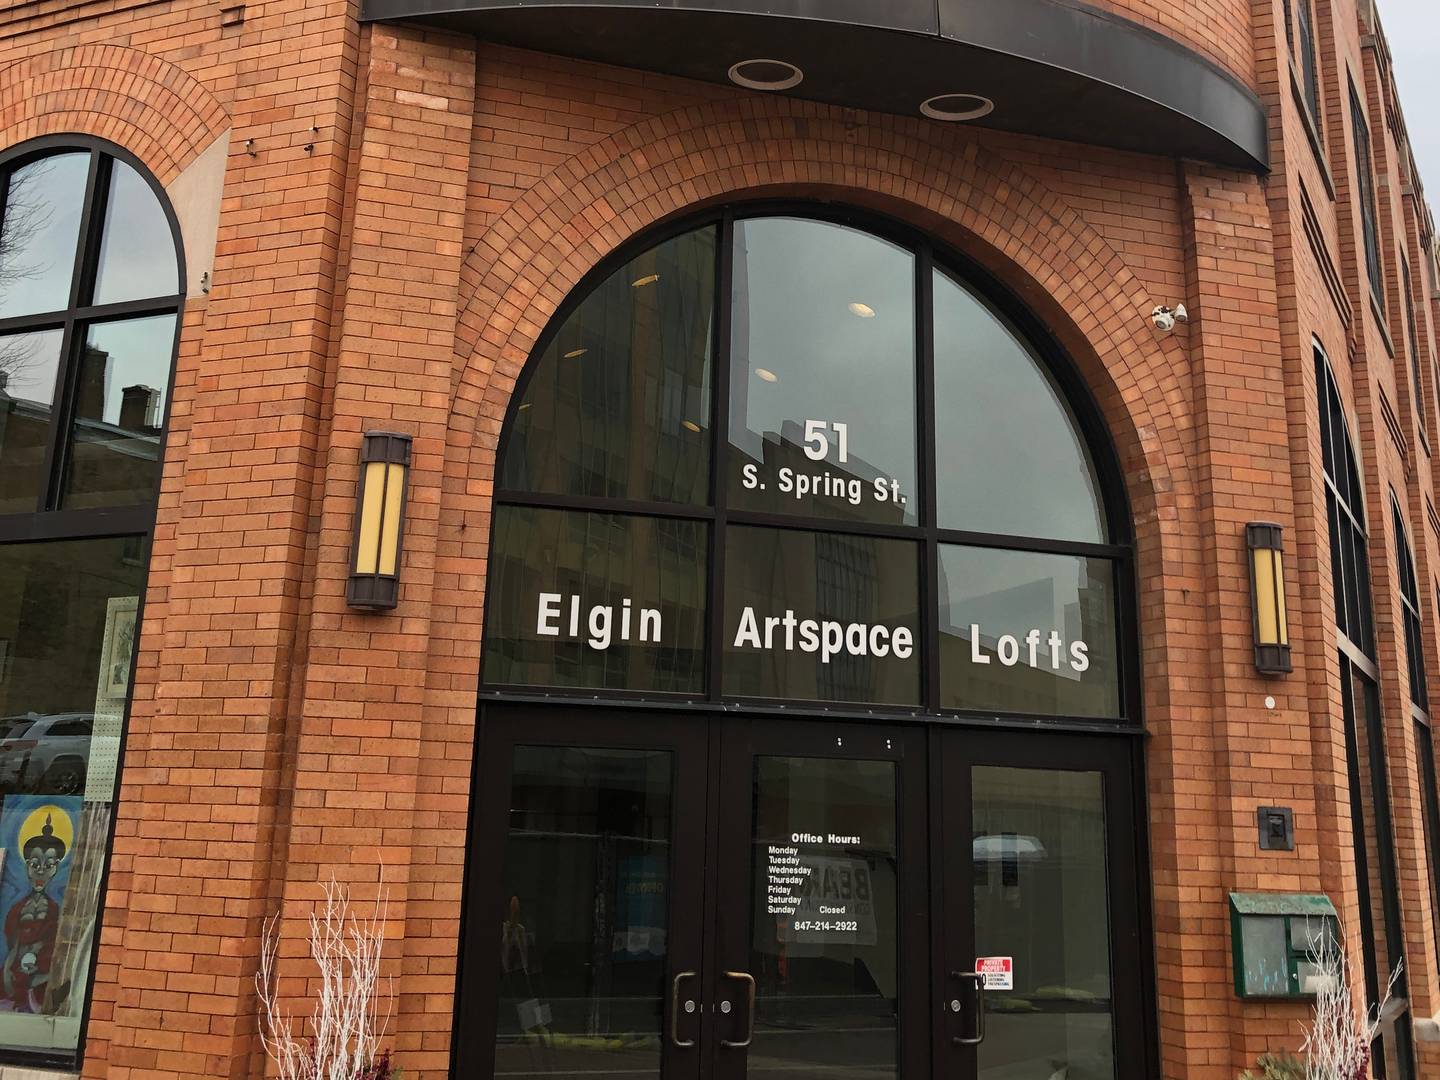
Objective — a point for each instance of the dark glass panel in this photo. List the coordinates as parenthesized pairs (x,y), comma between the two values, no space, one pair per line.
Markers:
(587,884)
(618,405)
(1373,825)
(1430,818)
(137,249)
(825,881)
(1042,899)
(1309,73)
(1365,187)
(1027,632)
(39,231)
(1010,458)
(68,629)
(123,377)
(28,367)
(596,600)
(821,616)
(822,378)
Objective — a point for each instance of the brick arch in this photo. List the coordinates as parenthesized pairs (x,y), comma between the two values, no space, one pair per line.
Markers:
(149,106)
(540,248)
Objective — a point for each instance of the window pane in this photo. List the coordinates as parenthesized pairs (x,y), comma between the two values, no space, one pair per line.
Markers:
(39,233)
(68,614)
(28,366)
(1027,632)
(821,616)
(584,944)
(824,919)
(1002,429)
(822,373)
(619,403)
(598,600)
(137,250)
(1042,898)
(119,413)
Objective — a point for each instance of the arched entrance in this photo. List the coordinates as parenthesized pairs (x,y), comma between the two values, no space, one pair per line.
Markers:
(809,681)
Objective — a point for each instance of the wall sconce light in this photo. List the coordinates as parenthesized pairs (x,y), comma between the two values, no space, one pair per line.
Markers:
(1264,544)
(379,521)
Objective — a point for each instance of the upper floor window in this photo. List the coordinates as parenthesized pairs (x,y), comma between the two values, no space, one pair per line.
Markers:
(1344,503)
(1306,61)
(1365,189)
(89,293)
(1410,604)
(1413,341)
(781,457)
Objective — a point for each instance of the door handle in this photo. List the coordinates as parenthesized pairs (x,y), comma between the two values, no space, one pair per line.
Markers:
(749,981)
(977,1007)
(683,1044)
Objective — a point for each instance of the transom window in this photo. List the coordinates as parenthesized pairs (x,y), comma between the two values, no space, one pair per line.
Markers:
(89,291)
(776,457)
(90,283)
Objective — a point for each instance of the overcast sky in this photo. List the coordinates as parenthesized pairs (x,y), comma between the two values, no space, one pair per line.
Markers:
(1413,29)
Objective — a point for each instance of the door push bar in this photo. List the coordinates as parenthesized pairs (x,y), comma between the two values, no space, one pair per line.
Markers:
(976,1009)
(749,981)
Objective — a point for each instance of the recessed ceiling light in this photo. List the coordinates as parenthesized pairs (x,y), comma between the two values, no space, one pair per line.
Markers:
(575,353)
(766,374)
(865,311)
(765,74)
(956,107)
(690,425)
(648,279)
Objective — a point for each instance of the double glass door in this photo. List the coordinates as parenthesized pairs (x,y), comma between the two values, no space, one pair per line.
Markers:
(724,898)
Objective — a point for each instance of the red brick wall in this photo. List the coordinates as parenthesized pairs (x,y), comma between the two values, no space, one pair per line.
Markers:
(411,210)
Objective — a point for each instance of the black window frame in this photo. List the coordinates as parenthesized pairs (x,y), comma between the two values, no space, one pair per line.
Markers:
(1308,62)
(49,521)
(1365,190)
(1410,608)
(930,256)
(1345,508)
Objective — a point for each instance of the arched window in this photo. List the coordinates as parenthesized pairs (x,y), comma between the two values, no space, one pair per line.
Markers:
(90,294)
(769,456)
(1344,503)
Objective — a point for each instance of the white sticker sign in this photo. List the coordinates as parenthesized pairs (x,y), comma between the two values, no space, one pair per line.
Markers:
(999,971)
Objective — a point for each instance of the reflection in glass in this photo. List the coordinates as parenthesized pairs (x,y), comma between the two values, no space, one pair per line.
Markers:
(822,356)
(119,413)
(1382,930)
(586,876)
(597,600)
(68,624)
(824,951)
(1027,632)
(39,232)
(1041,898)
(821,616)
(1010,457)
(618,405)
(137,253)
(28,366)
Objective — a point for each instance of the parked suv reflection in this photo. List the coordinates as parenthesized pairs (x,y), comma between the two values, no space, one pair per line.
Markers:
(45,754)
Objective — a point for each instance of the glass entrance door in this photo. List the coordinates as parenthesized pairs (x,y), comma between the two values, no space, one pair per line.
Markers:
(653,898)
(1041,923)
(821,929)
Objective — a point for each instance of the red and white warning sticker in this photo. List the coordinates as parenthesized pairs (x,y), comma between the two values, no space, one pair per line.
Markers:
(999,971)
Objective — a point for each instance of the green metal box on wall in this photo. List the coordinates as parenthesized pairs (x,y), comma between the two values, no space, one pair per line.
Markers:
(1276,940)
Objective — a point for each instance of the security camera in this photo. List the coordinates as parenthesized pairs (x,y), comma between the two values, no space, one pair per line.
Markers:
(1165,319)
